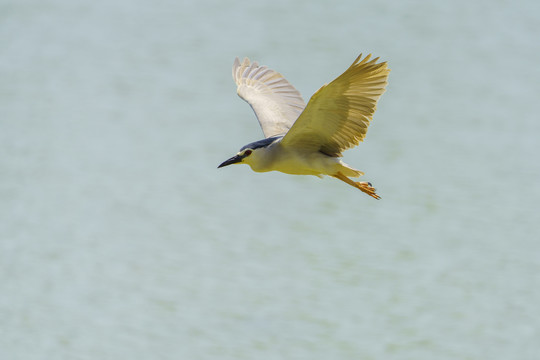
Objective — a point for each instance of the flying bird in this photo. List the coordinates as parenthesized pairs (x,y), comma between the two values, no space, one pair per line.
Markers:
(309,139)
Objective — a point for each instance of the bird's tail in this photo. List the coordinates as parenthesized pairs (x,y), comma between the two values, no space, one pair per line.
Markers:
(349,171)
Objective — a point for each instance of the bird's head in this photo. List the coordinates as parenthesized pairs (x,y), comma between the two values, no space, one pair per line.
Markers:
(242,157)
(254,154)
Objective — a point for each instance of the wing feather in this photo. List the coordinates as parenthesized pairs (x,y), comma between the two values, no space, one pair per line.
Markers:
(337,116)
(276,103)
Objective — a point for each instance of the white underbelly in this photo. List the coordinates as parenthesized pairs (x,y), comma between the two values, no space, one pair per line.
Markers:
(312,164)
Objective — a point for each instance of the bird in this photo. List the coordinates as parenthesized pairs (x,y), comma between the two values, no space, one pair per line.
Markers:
(309,139)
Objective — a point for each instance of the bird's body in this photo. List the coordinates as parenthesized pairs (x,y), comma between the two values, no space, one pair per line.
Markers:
(276,157)
(308,140)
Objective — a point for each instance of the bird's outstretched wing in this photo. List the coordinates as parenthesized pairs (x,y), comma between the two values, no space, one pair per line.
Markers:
(276,103)
(337,116)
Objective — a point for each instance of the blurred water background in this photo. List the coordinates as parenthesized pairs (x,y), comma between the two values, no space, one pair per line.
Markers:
(119,238)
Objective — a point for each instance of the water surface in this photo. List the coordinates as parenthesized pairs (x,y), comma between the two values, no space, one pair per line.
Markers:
(121,240)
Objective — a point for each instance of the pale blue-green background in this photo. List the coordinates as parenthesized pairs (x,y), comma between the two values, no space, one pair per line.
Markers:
(119,238)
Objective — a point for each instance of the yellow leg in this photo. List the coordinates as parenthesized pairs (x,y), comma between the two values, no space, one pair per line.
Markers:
(361,185)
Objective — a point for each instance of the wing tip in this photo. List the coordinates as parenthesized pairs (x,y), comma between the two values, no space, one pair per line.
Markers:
(236,65)
(366,60)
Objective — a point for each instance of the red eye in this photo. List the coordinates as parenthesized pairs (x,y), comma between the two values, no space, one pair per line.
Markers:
(247,153)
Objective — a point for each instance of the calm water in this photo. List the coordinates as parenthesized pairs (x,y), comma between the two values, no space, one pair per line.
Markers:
(119,238)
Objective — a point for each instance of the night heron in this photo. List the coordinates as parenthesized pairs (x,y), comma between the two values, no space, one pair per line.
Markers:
(308,140)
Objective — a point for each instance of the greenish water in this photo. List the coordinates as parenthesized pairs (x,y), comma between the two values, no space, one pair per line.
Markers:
(119,238)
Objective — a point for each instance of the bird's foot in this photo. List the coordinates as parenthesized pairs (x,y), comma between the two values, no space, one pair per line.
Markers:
(367,188)
(364,186)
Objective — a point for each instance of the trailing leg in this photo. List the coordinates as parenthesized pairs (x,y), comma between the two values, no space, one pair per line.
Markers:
(361,185)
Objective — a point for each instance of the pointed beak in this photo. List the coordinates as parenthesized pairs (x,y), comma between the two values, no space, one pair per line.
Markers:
(235,159)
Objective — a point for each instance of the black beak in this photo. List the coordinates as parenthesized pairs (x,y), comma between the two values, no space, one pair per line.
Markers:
(235,159)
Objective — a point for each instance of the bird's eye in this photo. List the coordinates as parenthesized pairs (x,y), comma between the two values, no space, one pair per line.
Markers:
(247,153)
